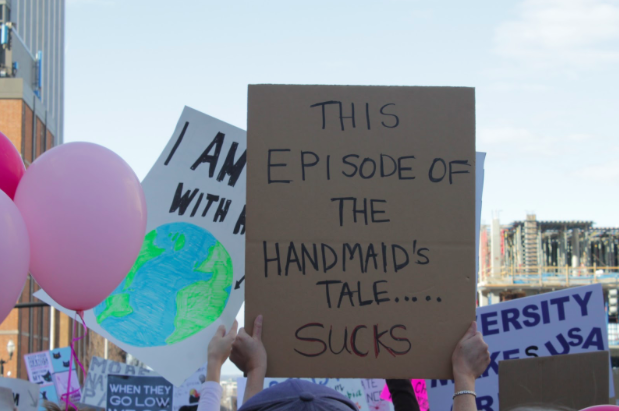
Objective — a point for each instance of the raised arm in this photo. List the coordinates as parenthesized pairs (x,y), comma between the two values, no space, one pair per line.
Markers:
(218,352)
(249,355)
(469,360)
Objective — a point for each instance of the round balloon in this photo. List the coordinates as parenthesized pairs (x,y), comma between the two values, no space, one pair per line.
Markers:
(11,166)
(86,216)
(14,255)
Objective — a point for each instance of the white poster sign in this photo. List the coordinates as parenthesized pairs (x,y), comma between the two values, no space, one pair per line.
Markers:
(189,276)
(39,368)
(373,388)
(94,392)
(24,394)
(570,321)
(188,394)
(95,385)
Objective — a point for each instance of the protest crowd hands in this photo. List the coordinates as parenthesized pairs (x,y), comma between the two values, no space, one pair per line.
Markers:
(469,360)
(219,350)
(471,357)
(248,352)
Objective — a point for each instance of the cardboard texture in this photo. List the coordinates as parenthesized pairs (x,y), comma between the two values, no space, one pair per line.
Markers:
(576,381)
(615,375)
(569,321)
(361,228)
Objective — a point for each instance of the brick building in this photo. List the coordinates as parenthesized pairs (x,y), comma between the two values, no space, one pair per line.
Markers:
(31,116)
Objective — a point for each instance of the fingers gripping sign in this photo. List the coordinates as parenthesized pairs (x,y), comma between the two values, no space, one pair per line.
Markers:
(471,356)
(219,350)
(248,352)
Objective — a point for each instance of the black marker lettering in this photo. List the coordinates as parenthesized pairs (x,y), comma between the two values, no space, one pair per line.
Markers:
(182,200)
(178,143)
(211,159)
(397,120)
(231,168)
(270,165)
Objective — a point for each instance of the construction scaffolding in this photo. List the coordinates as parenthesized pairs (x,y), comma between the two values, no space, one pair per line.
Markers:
(548,254)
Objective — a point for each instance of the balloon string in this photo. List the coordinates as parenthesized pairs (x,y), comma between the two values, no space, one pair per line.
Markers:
(67,396)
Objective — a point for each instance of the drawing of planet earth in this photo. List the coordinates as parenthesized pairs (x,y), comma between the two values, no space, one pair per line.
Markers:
(179,284)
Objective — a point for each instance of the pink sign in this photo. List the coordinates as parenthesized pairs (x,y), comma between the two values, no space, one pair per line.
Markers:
(420,392)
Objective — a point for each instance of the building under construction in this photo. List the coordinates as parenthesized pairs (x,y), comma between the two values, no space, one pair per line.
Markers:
(529,257)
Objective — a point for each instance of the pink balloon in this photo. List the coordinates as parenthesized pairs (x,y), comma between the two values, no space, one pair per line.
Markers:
(14,255)
(11,166)
(86,216)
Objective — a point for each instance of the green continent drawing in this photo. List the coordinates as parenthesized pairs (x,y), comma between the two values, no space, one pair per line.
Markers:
(179,284)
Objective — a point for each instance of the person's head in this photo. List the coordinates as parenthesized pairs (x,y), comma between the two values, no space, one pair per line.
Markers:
(297,394)
(50,406)
(541,407)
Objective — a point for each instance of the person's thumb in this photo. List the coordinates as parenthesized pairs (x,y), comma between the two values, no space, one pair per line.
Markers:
(258,328)
(233,330)
(471,331)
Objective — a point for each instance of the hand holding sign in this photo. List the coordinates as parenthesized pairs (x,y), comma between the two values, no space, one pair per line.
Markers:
(471,356)
(248,352)
(469,360)
(219,350)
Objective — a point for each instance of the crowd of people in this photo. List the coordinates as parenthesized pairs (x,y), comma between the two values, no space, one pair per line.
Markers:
(469,360)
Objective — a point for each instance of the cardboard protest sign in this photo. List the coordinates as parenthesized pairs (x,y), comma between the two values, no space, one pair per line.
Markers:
(348,387)
(361,228)
(615,372)
(188,278)
(125,392)
(562,322)
(576,381)
(24,394)
(94,392)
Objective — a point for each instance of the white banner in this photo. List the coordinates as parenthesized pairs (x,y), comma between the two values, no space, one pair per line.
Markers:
(24,394)
(570,321)
(189,276)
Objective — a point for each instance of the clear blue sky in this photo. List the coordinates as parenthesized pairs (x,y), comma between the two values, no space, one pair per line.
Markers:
(545,74)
